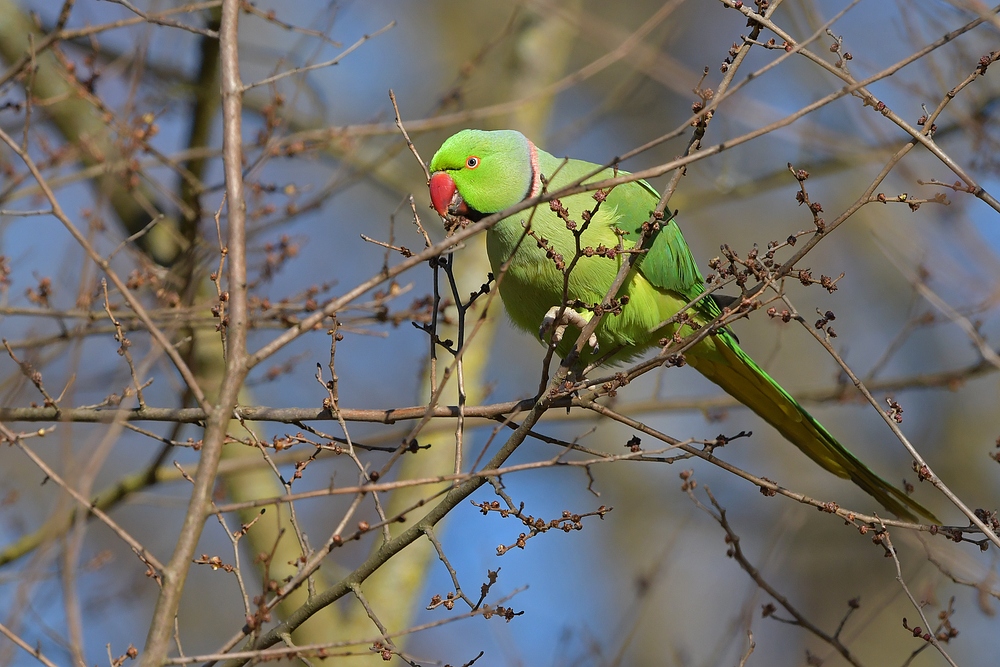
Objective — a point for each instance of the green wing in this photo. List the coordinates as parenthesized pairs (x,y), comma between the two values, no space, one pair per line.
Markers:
(668,263)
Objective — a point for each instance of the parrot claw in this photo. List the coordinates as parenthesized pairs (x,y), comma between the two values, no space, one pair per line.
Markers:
(557,323)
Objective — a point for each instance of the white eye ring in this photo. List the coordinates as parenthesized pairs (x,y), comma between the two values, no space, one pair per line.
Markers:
(472,162)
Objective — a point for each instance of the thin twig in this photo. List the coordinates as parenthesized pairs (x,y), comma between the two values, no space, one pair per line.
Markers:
(327,63)
(736,552)
(160,19)
(891,551)
(35,652)
(144,555)
(406,137)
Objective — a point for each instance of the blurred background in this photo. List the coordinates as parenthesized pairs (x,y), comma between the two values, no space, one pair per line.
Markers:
(651,583)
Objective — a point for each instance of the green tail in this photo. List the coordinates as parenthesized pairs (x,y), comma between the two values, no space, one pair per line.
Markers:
(721,360)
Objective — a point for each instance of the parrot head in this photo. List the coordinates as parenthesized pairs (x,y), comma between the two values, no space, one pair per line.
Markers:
(476,173)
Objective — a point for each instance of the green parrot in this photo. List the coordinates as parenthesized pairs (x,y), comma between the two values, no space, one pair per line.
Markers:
(476,173)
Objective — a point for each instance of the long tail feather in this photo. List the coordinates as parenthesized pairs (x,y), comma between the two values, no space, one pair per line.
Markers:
(721,360)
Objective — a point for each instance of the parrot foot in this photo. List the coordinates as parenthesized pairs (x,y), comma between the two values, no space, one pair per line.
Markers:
(557,324)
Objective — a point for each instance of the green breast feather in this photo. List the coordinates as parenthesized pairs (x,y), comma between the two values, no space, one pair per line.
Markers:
(667,276)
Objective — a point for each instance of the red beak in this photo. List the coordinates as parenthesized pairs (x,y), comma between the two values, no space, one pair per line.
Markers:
(443,189)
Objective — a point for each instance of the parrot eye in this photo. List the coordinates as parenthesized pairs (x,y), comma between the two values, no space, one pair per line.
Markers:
(472,162)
